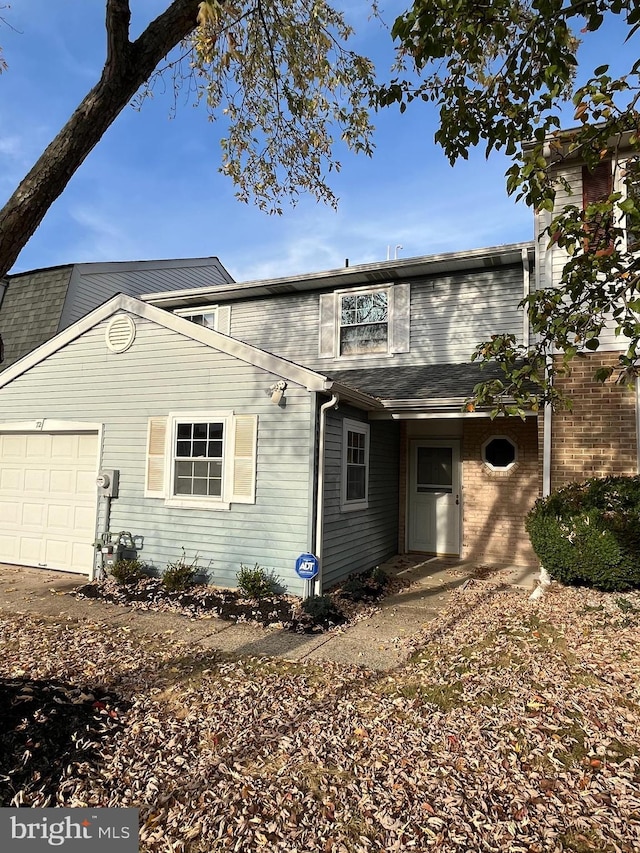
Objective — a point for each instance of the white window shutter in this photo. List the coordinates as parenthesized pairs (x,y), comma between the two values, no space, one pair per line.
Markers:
(400,318)
(156,446)
(223,319)
(327,324)
(245,433)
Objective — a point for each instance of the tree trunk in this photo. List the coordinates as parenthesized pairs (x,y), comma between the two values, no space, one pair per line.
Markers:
(128,67)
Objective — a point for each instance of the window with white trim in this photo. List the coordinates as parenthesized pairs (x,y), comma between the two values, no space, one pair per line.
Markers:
(206,316)
(499,453)
(355,465)
(198,458)
(364,322)
(202,459)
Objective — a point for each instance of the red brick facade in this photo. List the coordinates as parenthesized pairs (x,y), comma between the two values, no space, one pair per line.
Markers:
(598,436)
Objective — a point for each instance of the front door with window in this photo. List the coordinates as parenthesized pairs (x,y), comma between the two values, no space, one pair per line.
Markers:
(434,497)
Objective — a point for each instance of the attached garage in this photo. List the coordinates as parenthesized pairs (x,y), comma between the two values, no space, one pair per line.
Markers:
(48,499)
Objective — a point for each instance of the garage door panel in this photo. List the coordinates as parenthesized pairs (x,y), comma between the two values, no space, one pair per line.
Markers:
(30,549)
(83,518)
(11,480)
(48,500)
(38,446)
(62,482)
(87,447)
(33,515)
(59,517)
(85,483)
(9,513)
(12,446)
(36,480)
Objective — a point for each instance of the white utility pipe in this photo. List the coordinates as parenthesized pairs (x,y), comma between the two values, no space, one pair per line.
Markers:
(330,404)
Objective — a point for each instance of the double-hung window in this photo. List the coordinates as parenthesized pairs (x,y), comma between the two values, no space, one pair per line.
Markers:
(198,458)
(364,322)
(355,465)
(202,459)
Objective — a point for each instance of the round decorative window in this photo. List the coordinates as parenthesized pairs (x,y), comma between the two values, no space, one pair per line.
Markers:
(499,453)
(120,333)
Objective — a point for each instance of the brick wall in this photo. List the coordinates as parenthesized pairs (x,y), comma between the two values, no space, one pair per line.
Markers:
(598,437)
(496,502)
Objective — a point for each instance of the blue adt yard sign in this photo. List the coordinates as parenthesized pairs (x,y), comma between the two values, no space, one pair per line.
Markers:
(307,566)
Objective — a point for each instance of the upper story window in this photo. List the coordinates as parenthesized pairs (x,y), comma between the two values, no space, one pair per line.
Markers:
(201,316)
(364,322)
(596,187)
(367,321)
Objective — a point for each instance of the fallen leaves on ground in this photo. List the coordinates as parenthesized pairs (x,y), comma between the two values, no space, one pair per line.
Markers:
(513,727)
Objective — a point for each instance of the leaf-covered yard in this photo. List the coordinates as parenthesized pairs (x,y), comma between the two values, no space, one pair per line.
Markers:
(514,727)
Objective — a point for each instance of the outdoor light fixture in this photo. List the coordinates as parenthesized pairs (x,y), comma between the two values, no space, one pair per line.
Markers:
(277,391)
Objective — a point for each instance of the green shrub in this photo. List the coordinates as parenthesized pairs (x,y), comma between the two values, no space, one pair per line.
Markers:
(589,533)
(257,582)
(127,572)
(321,608)
(180,574)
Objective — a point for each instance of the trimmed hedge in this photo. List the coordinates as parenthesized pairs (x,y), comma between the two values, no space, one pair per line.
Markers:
(588,533)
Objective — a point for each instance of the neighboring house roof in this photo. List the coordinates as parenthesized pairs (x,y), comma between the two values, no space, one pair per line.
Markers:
(432,383)
(288,370)
(380,272)
(37,304)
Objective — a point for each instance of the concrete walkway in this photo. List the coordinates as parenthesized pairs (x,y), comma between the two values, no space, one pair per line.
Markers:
(375,642)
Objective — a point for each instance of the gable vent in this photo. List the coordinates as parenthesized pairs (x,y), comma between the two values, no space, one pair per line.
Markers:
(121,333)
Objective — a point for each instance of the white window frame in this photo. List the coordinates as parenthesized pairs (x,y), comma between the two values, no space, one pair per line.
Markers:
(361,428)
(363,291)
(199,501)
(492,467)
(188,313)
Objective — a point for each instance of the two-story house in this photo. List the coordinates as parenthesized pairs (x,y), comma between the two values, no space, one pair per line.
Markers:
(257,421)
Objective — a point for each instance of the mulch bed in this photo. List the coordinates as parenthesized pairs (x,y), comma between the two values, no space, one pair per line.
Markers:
(351,600)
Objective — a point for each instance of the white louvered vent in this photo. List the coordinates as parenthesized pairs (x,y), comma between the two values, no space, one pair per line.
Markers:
(121,333)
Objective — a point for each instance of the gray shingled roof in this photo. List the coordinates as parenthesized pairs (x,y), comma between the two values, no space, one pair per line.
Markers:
(431,381)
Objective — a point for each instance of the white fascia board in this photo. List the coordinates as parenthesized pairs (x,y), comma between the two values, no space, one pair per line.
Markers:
(288,370)
(358,275)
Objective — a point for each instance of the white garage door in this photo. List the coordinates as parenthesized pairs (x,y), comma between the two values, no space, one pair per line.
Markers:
(48,499)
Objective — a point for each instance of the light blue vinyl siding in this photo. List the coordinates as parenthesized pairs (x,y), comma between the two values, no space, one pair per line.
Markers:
(449,316)
(360,539)
(165,372)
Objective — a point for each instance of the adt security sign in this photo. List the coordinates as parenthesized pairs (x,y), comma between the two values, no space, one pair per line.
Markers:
(307,566)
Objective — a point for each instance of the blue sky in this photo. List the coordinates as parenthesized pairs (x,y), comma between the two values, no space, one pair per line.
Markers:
(151,188)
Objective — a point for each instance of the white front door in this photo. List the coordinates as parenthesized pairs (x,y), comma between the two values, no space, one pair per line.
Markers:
(434,497)
(48,499)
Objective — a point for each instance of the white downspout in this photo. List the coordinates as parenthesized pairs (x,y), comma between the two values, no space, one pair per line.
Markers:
(330,404)
(544,578)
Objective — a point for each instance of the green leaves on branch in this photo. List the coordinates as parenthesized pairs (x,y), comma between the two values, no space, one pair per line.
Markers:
(501,73)
(281,75)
